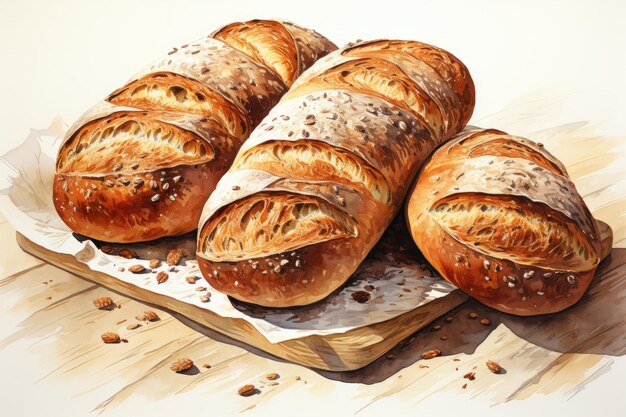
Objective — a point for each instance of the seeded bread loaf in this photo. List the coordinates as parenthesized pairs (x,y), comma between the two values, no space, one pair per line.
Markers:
(323,175)
(141,164)
(498,216)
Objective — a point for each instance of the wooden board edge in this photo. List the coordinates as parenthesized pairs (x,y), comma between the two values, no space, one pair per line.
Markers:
(336,352)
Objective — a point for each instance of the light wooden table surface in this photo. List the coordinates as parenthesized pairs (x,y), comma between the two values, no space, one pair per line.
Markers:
(52,360)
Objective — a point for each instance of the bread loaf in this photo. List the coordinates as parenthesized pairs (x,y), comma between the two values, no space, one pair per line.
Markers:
(141,164)
(498,216)
(323,175)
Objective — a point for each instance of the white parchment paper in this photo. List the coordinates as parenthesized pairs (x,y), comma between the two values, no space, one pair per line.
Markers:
(395,278)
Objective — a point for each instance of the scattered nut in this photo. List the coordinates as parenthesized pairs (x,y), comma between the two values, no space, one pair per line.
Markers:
(472,316)
(124,340)
(110,337)
(103,302)
(162,277)
(246,390)
(150,315)
(494,367)
(205,298)
(432,353)
(437,327)
(155,263)
(361,296)
(121,269)
(206,365)
(136,269)
(486,322)
(107,249)
(133,326)
(444,338)
(470,375)
(181,365)
(174,256)
(272,376)
(140,317)
(127,253)
(200,289)
(449,319)
(190,280)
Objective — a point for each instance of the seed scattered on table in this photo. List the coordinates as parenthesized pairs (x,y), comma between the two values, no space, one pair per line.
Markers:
(436,327)
(162,277)
(272,376)
(103,302)
(472,316)
(361,296)
(432,353)
(174,256)
(246,390)
(107,249)
(182,365)
(199,289)
(155,263)
(190,280)
(470,375)
(205,298)
(150,315)
(444,338)
(464,386)
(486,322)
(133,326)
(124,340)
(494,367)
(136,269)
(298,378)
(121,269)
(206,365)
(127,253)
(110,337)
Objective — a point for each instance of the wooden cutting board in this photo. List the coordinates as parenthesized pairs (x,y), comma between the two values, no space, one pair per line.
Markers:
(336,352)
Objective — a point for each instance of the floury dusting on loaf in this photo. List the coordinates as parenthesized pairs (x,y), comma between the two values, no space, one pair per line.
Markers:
(320,179)
(141,164)
(498,216)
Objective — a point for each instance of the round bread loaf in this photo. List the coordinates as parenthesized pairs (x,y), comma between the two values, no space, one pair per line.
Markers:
(323,175)
(498,216)
(141,164)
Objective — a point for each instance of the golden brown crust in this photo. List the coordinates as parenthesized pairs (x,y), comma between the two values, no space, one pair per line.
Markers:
(268,42)
(141,164)
(498,217)
(353,132)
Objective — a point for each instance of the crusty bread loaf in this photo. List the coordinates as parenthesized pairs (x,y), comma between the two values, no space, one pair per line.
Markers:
(320,179)
(141,164)
(498,216)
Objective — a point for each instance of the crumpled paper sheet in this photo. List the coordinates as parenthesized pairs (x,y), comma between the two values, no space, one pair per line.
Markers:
(394,275)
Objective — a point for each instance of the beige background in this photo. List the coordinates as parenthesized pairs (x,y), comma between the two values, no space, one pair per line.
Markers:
(538,68)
